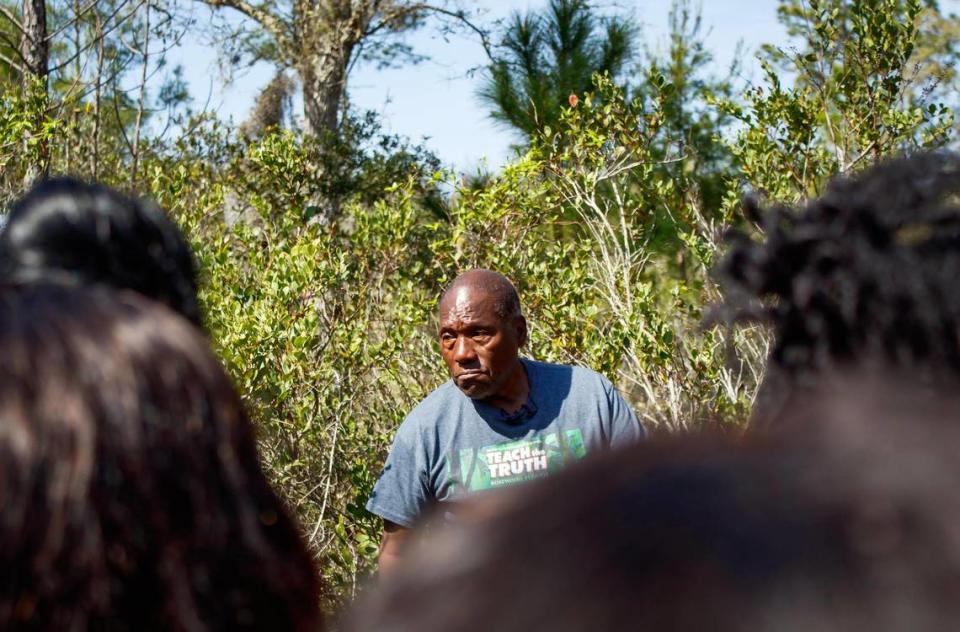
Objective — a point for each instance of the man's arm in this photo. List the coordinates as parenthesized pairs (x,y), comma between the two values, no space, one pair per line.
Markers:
(400,494)
(625,428)
(392,543)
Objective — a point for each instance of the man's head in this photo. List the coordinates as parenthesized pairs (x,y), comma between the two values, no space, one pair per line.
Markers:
(481,332)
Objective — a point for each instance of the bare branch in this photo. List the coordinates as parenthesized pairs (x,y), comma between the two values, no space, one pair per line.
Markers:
(98,98)
(141,101)
(100,36)
(12,63)
(76,18)
(123,132)
(461,17)
(14,46)
(5,12)
(271,23)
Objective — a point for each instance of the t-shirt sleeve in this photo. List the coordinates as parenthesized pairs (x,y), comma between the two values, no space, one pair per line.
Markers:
(401,493)
(625,428)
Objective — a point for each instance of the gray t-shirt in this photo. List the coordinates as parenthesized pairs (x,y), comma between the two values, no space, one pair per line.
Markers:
(450,445)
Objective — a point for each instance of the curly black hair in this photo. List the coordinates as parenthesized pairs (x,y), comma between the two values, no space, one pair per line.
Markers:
(65,230)
(868,273)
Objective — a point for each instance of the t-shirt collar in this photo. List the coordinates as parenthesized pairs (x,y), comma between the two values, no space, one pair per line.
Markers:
(528,409)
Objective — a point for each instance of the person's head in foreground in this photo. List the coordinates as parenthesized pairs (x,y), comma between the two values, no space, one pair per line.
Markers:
(481,332)
(853,524)
(68,231)
(867,274)
(131,495)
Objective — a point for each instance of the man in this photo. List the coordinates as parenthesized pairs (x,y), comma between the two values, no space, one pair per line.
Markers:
(500,420)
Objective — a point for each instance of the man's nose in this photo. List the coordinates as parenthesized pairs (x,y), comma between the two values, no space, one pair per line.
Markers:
(463,350)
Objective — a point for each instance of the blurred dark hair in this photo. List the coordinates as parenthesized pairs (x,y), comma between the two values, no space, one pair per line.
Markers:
(66,230)
(853,524)
(131,491)
(868,273)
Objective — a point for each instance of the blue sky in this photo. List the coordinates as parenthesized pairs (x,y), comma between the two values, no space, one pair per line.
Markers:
(436,100)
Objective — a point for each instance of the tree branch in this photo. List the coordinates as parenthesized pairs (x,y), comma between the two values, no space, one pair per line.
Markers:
(123,132)
(101,34)
(5,12)
(76,18)
(10,62)
(14,48)
(461,17)
(458,15)
(271,23)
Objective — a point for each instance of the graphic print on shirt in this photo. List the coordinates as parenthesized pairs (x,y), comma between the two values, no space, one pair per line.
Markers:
(509,463)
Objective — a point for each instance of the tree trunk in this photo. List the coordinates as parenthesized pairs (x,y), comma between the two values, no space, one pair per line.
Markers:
(326,34)
(33,44)
(324,79)
(324,75)
(35,52)
(97,97)
(142,99)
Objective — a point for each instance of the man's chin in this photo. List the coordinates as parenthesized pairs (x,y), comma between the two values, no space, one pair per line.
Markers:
(474,390)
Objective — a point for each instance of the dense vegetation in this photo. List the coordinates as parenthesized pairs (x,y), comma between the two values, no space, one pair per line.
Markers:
(323,254)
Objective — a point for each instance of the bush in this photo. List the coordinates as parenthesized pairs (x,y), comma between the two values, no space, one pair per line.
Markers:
(322,259)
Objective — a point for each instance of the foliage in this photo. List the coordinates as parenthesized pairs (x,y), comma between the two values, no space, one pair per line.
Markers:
(548,56)
(932,63)
(647,245)
(9,39)
(692,146)
(328,327)
(25,132)
(609,225)
(101,55)
(317,331)
(322,172)
(855,98)
(322,324)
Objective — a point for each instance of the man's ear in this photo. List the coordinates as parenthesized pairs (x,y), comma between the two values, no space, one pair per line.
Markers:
(521,325)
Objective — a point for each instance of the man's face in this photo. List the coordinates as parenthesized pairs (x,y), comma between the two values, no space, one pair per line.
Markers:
(479,348)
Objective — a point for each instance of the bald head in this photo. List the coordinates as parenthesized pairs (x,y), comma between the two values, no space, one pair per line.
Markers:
(481,333)
(505,298)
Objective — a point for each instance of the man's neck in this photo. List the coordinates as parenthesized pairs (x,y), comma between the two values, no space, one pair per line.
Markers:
(513,395)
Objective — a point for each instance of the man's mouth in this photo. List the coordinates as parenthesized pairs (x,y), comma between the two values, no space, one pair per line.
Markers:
(469,375)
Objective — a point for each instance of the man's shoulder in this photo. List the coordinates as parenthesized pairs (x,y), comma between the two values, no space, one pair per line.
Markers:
(439,402)
(577,376)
